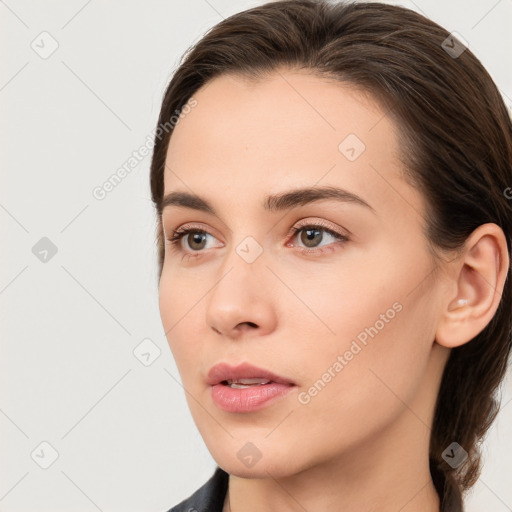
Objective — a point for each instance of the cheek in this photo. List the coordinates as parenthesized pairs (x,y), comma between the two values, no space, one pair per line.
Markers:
(349,399)
(369,346)
(180,305)
(179,296)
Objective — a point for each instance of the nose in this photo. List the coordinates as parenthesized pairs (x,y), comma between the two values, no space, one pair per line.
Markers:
(240,303)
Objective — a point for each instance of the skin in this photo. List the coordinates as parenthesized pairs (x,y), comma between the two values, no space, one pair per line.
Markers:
(360,444)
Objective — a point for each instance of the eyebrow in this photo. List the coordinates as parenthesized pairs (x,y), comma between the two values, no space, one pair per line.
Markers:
(272,203)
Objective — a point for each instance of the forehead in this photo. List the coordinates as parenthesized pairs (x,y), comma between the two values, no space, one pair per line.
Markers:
(284,110)
(247,137)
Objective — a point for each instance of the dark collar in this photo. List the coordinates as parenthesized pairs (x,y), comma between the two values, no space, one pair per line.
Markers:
(209,497)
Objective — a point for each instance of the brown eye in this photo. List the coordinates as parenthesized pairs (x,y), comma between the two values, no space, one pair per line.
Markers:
(313,235)
(196,239)
(310,237)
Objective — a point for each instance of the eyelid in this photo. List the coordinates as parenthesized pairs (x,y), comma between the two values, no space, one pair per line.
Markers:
(193,226)
(316,221)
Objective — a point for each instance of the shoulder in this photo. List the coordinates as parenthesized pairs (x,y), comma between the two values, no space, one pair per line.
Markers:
(209,497)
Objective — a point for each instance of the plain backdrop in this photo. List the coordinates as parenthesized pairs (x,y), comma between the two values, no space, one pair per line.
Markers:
(87,423)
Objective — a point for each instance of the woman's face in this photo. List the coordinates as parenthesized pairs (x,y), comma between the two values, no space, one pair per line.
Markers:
(350,321)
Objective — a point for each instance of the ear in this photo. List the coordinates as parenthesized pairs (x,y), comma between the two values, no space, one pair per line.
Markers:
(479,276)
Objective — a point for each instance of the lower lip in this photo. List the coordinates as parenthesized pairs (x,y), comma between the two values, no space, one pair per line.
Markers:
(247,399)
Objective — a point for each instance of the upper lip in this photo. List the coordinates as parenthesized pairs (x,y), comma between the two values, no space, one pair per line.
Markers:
(224,371)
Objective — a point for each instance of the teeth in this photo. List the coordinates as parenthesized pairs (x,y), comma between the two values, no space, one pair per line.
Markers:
(246,383)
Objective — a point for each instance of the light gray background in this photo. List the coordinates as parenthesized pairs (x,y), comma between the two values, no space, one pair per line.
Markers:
(122,430)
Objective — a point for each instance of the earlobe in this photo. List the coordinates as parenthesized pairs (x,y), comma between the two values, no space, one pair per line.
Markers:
(480,275)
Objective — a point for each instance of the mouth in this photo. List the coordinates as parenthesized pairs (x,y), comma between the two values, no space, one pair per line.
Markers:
(245,383)
(244,375)
(245,388)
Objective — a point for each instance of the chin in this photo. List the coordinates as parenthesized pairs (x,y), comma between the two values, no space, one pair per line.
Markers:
(251,460)
(260,470)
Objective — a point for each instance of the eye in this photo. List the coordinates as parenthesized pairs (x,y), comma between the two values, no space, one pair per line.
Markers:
(194,237)
(311,235)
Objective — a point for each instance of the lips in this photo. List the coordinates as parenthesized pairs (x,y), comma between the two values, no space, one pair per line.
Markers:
(224,372)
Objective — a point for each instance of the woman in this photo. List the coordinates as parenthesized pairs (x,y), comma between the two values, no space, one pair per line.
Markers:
(334,234)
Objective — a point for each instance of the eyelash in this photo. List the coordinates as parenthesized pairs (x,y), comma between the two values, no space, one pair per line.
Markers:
(178,234)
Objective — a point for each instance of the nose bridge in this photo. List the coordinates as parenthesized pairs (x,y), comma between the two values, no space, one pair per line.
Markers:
(244,253)
(241,270)
(239,292)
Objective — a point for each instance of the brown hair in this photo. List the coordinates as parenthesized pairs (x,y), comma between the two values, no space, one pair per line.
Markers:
(456,142)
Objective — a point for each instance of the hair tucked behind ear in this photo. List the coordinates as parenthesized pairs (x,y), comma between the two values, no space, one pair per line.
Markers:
(456,142)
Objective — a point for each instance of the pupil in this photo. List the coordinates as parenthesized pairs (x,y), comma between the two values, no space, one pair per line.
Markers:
(310,236)
(198,238)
